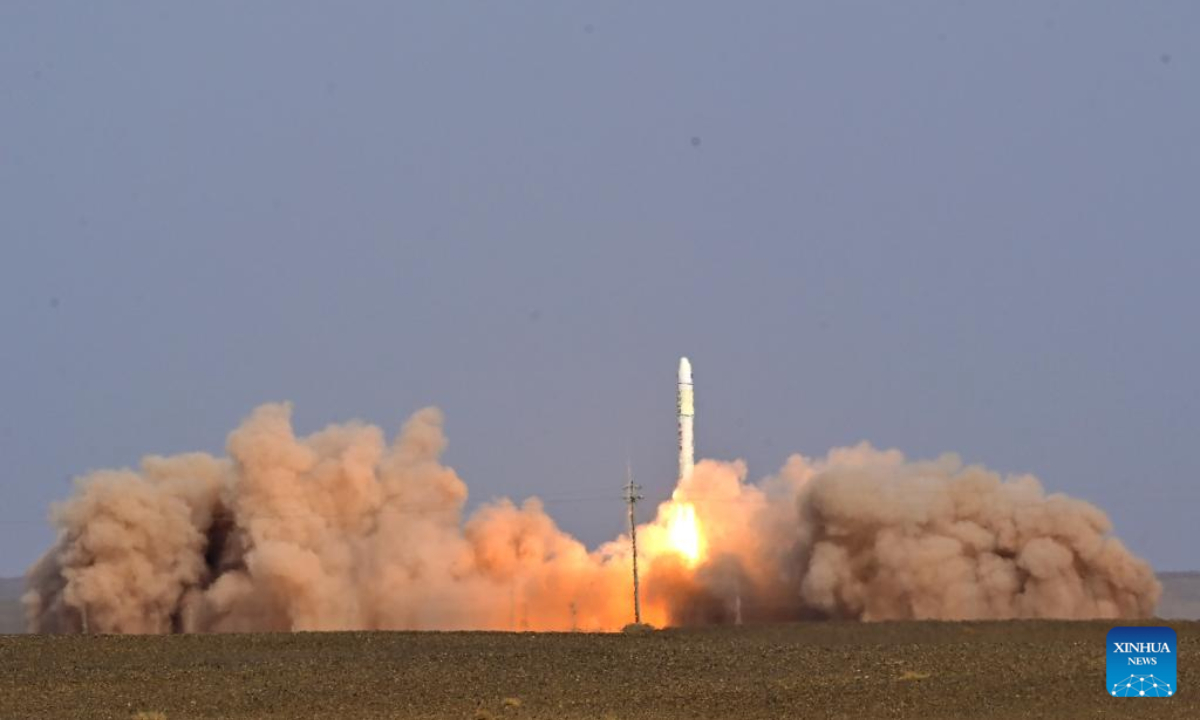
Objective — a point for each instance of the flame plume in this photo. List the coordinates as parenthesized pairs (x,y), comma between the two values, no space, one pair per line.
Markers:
(683,532)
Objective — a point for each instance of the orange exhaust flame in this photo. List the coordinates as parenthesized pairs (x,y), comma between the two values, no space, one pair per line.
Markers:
(683,532)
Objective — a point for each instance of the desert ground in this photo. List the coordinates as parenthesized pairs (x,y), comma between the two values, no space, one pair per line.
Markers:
(806,670)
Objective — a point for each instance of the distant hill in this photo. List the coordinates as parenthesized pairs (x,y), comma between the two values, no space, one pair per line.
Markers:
(1181,595)
(1180,600)
(12,617)
(11,587)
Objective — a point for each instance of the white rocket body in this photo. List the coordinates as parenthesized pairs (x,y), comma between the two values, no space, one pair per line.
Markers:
(686,414)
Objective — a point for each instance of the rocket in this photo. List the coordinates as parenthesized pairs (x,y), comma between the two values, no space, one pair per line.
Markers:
(685,413)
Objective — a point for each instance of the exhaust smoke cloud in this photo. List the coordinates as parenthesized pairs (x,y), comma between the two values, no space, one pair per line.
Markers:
(344,530)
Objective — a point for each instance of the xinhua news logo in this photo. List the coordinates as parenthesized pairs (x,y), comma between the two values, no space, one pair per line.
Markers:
(1141,662)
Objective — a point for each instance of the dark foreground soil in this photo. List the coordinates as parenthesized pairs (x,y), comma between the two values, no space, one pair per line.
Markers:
(815,670)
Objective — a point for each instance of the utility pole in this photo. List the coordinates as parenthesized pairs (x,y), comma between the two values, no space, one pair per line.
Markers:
(632,495)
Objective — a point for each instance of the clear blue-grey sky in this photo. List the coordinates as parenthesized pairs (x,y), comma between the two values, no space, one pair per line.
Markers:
(964,227)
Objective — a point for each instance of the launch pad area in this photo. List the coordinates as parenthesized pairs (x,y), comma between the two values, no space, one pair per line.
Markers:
(812,670)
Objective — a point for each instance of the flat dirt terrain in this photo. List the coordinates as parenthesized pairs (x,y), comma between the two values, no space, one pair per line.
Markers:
(811,670)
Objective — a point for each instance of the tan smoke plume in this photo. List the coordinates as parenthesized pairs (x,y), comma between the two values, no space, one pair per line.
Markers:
(342,530)
(865,534)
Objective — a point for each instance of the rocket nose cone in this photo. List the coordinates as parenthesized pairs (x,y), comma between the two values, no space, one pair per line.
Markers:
(685,371)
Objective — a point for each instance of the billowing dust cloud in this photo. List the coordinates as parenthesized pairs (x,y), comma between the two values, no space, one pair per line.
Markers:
(342,530)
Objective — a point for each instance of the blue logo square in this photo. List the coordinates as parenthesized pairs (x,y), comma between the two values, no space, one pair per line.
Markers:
(1141,662)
